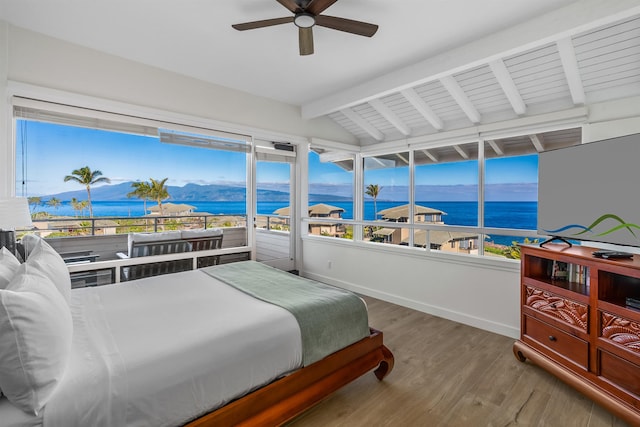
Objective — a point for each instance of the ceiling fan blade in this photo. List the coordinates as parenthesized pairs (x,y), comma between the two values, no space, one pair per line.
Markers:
(261,24)
(347,25)
(316,7)
(291,5)
(305,39)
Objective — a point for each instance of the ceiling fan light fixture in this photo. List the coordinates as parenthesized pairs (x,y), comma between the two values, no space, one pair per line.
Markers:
(304,20)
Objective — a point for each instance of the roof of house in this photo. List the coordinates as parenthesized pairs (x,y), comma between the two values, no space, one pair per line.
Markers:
(169,208)
(319,209)
(403,211)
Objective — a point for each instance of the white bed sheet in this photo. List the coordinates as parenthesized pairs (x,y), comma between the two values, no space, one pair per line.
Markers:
(12,416)
(164,350)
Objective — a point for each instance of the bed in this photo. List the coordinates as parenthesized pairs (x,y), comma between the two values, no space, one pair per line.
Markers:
(200,348)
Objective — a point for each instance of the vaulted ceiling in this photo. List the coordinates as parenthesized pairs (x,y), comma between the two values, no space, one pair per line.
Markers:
(433,66)
(578,69)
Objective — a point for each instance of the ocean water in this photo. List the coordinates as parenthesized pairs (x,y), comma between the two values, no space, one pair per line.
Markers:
(518,215)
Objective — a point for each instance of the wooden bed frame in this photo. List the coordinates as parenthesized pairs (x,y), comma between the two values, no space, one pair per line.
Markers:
(284,399)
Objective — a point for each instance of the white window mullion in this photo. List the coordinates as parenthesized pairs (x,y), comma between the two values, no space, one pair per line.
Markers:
(481,179)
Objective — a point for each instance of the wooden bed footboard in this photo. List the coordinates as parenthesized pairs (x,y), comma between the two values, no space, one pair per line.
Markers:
(284,399)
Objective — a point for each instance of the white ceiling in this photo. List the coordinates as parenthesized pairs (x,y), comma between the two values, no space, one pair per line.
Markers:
(468,61)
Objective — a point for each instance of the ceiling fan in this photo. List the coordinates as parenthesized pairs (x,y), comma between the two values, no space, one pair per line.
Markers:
(306,14)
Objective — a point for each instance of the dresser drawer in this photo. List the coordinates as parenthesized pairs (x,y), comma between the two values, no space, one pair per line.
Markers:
(558,308)
(564,344)
(620,372)
(621,332)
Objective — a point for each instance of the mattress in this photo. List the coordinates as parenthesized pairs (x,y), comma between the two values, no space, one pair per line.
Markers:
(164,350)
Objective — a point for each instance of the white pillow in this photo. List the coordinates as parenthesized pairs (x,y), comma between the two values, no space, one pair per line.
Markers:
(8,266)
(36,331)
(45,259)
(28,243)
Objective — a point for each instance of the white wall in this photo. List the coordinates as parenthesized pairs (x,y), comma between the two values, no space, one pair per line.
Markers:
(480,293)
(35,59)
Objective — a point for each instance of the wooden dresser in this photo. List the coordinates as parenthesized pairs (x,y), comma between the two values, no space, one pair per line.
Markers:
(578,324)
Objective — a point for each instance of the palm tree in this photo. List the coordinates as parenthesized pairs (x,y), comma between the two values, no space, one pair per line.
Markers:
(142,190)
(373,190)
(87,177)
(76,205)
(158,192)
(34,202)
(83,205)
(54,203)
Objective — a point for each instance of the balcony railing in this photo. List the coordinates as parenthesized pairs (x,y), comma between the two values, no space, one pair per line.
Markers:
(273,222)
(94,226)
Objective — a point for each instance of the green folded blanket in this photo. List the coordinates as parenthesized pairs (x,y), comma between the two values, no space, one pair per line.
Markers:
(330,318)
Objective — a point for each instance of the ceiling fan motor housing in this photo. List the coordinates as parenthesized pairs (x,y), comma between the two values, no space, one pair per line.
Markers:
(304,20)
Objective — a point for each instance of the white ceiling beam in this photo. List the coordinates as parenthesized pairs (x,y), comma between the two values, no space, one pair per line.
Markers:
(496,147)
(462,153)
(508,86)
(537,142)
(575,18)
(454,89)
(403,158)
(430,155)
(419,104)
(571,70)
(390,116)
(365,125)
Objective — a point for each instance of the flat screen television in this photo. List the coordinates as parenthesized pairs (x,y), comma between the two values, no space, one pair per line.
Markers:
(591,192)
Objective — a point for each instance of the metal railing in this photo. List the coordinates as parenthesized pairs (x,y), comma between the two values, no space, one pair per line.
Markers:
(92,226)
(273,222)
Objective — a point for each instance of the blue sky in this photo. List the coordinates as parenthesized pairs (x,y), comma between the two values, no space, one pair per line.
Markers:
(53,151)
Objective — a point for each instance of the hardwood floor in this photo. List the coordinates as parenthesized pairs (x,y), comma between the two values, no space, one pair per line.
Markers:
(449,374)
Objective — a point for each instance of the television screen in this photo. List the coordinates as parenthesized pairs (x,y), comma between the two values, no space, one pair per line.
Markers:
(591,191)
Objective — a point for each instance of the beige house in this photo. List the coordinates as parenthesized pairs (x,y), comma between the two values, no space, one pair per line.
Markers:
(320,211)
(401,214)
(447,241)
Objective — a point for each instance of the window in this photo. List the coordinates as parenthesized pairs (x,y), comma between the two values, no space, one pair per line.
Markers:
(142,178)
(273,194)
(446,188)
(511,194)
(386,198)
(331,182)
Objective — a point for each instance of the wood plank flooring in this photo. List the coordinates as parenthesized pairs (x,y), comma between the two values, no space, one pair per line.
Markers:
(449,374)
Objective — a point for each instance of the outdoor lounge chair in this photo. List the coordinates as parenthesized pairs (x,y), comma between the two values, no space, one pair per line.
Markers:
(204,240)
(149,244)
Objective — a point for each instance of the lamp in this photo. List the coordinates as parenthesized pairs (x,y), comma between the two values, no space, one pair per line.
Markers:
(14,213)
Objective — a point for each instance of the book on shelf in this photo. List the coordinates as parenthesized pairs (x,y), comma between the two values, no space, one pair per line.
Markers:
(574,273)
(559,270)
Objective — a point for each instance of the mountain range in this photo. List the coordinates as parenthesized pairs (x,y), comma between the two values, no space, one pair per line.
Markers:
(188,193)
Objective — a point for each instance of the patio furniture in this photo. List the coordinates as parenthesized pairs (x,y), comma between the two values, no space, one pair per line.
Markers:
(204,240)
(150,244)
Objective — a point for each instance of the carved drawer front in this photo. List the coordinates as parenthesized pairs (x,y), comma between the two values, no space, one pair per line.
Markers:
(620,331)
(559,308)
(559,341)
(621,372)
